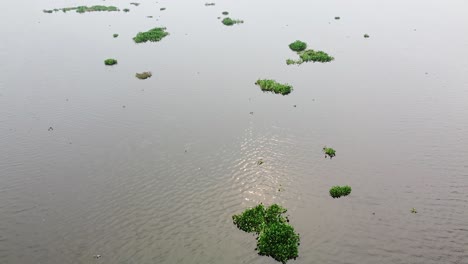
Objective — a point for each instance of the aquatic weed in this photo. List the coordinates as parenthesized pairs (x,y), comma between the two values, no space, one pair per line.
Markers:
(110,62)
(366,36)
(225,13)
(229,21)
(210,4)
(162,8)
(329,152)
(115,35)
(135,4)
(273,86)
(338,191)
(153,35)
(143,75)
(275,238)
(126,10)
(298,45)
(315,56)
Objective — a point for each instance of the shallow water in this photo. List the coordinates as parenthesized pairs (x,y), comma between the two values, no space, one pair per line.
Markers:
(152,171)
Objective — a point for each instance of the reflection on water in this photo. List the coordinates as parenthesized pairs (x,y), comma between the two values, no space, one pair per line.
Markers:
(158,180)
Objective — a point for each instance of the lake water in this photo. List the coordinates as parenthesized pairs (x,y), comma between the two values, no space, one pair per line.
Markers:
(152,171)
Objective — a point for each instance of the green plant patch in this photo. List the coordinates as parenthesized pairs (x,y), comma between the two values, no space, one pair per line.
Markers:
(276,238)
(291,61)
(153,35)
(337,18)
(135,4)
(338,191)
(366,36)
(298,46)
(143,75)
(210,4)
(229,21)
(85,9)
(115,35)
(225,13)
(126,10)
(329,152)
(315,56)
(162,8)
(273,86)
(110,62)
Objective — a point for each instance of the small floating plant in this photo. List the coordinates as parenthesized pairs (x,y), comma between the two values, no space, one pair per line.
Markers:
(298,46)
(143,75)
(337,18)
(276,238)
(315,56)
(338,191)
(110,62)
(210,4)
(366,36)
(329,152)
(274,86)
(135,4)
(126,10)
(115,35)
(229,21)
(162,9)
(225,13)
(153,35)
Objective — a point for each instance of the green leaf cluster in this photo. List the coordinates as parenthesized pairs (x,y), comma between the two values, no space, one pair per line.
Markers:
(110,62)
(298,46)
(273,86)
(329,152)
(276,238)
(338,191)
(315,56)
(154,35)
(229,21)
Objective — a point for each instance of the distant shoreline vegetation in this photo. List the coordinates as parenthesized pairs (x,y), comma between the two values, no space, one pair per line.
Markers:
(84,9)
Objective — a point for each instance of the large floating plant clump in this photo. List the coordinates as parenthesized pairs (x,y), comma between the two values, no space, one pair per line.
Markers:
(274,86)
(315,56)
(276,238)
(338,191)
(153,35)
(85,9)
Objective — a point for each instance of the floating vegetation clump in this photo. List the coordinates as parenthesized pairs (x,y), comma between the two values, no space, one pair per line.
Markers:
(115,35)
(126,10)
(315,56)
(143,75)
(414,211)
(135,4)
(276,238)
(337,18)
(85,9)
(366,36)
(273,86)
(153,35)
(162,8)
(110,62)
(229,21)
(338,191)
(291,61)
(329,152)
(210,4)
(298,46)
(225,13)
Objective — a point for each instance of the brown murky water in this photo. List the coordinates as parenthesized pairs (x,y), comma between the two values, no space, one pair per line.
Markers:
(151,171)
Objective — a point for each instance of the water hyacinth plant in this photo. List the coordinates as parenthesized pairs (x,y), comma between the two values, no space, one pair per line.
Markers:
(225,13)
(273,86)
(338,191)
(110,62)
(329,152)
(143,75)
(276,238)
(366,36)
(126,10)
(153,35)
(229,21)
(315,56)
(298,46)
(85,9)
(115,35)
